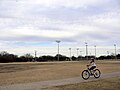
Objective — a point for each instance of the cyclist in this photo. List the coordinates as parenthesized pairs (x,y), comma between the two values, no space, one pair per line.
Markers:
(92,64)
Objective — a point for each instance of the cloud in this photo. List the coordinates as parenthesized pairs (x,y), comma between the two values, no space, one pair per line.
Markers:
(71,21)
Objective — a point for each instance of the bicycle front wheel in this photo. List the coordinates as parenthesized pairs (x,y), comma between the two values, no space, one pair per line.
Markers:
(85,74)
(97,73)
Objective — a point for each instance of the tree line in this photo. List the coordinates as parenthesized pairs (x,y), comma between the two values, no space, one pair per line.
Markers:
(7,57)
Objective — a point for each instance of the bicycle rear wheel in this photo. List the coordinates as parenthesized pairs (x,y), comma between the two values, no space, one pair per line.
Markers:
(97,73)
(85,74)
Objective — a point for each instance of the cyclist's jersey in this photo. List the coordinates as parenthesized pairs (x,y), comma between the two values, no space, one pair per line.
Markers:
(93,64)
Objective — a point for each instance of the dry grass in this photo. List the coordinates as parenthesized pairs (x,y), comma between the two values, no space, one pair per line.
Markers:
(102,84)
(13,73)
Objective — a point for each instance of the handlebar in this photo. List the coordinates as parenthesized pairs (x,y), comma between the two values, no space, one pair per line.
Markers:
(87,66)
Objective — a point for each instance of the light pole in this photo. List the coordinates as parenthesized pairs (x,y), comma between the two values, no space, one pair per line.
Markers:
(35,54)
(108,53)
(95,52)
(58,41)
(70,53)
(81,54)
(115,51)
(86,50)
(77,52)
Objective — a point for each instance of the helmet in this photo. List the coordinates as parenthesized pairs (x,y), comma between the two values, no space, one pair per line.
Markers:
(92,59)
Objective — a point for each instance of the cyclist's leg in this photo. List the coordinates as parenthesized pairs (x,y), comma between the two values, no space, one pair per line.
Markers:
(92,68)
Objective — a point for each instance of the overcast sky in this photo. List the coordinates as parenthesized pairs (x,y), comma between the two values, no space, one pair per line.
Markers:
(28,25)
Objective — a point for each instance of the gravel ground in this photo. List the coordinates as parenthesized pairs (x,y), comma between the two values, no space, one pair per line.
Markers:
(50,83)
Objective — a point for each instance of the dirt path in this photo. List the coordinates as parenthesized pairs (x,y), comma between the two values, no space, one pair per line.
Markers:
(50,83)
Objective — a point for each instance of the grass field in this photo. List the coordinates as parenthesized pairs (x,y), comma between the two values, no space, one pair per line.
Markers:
(102,84)
(13,73)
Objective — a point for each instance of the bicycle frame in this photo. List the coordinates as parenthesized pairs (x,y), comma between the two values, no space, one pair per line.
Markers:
(90,71)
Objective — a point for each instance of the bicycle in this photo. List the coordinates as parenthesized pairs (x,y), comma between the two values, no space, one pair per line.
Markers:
(87,73)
